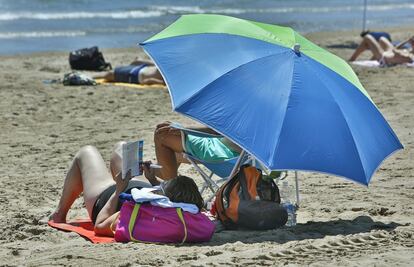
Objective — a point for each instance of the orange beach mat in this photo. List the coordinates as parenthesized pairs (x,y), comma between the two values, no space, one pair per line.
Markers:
(83,227)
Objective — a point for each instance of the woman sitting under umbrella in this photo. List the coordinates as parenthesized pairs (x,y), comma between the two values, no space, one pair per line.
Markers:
(169,146)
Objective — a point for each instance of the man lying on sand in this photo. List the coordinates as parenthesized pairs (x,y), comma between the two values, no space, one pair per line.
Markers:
(101,188)
(140,71)
(384,51)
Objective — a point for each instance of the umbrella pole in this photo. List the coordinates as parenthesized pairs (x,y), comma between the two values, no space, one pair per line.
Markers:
(364,19)
(297,188)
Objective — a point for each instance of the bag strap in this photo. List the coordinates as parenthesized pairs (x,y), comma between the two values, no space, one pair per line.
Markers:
(273,192)
(220,205)
(132,220)
(224,193)
(181,216)
(243,183)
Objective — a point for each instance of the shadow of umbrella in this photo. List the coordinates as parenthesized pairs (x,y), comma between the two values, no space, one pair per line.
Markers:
(309,230)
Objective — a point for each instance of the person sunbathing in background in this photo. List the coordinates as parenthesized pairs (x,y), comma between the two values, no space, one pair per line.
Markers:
(376,35)
(101,188)
(140,71)
(384,51)
(170,144)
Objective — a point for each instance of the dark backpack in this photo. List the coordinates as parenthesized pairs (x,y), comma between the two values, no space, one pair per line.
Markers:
(250,201)
(74,78)
(88,59)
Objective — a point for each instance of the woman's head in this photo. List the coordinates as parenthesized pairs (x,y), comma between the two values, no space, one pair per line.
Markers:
(183,189)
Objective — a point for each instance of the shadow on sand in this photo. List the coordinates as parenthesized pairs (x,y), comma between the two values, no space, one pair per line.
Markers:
(346,45)
(309,230)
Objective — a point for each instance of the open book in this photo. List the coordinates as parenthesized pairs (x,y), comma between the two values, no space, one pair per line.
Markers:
(132,153)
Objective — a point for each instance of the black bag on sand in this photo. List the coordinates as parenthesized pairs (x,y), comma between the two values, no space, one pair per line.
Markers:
(250,201)
(74,78)
(88,59)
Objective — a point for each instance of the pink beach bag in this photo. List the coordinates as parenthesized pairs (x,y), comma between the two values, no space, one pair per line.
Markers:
(148,223)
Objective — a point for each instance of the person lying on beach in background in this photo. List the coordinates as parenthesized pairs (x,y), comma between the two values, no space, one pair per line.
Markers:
(384,51)
(169,146)
(140,71)
(376,35)
(101,188)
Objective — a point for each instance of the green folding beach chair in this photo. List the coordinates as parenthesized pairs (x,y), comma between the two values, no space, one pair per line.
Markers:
(219,171)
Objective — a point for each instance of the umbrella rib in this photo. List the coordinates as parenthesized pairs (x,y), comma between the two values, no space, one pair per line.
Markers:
(343,115)
(284,117)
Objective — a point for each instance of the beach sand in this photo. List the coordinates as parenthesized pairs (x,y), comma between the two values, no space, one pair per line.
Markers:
(340,223)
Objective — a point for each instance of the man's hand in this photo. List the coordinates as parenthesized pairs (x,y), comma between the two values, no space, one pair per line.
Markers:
(149,173)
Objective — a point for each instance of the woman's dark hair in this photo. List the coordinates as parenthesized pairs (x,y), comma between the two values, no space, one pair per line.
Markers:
(183,189)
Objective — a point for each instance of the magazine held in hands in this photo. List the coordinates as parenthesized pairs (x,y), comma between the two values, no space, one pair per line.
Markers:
(132,154)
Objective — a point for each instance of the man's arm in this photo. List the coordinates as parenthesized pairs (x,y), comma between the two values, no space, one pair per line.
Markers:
(104,227)
(150,81)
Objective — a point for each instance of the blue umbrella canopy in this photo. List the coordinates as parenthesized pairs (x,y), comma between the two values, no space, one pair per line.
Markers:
(285,100)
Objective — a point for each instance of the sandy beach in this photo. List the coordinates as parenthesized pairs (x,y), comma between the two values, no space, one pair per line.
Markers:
(340,223)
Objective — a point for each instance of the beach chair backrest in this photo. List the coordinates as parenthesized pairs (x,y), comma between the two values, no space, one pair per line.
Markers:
(222,169)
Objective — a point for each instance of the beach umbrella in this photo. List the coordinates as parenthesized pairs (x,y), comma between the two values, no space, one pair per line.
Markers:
(280,97)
